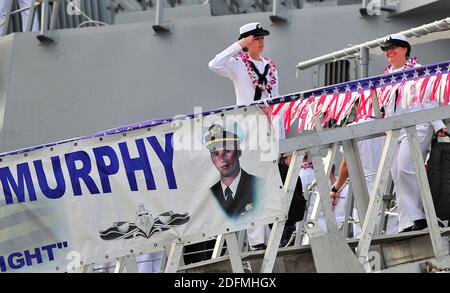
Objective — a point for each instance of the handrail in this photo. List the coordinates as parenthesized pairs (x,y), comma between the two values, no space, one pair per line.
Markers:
(352,52)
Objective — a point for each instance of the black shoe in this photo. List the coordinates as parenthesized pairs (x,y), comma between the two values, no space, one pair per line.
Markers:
(419,225)
(409,229)
(261,246)
(422,224)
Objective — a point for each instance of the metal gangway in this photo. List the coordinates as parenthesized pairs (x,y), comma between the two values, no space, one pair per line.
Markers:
(417,251)
(332,251)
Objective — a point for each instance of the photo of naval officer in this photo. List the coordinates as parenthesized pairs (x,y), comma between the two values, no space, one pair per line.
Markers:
(236,191)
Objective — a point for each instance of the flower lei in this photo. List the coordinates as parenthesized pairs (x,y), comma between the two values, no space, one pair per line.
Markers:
(272,79)
(307,164)
(410,63)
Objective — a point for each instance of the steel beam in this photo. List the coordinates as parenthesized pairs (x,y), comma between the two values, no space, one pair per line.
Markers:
(363,130)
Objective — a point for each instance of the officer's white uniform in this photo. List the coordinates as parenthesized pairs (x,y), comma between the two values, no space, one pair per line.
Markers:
(25,14)
(230,65)
(403,170)
(370,151)
(307,176)
(339,210)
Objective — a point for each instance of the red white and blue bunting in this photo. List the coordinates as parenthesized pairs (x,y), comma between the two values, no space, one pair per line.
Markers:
(408,87)
(331,102)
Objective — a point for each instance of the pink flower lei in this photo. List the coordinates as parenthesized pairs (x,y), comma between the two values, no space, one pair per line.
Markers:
(410,63)
(272,79)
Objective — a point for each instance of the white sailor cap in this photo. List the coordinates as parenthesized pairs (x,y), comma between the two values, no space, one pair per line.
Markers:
(398,40)
(252,29)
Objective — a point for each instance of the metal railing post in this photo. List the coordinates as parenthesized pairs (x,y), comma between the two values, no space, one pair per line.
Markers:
(54,19)
(46,36)
(277,17)
(364,62)
(159,13)
(160,27)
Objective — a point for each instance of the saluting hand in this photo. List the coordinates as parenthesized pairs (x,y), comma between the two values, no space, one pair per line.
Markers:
(245,41)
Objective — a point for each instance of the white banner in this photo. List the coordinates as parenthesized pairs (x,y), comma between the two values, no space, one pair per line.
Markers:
(95,199)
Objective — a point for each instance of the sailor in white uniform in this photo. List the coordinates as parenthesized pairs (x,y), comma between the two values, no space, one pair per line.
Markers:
(233,63)
(254,78)
(339,207)
(22,3)
(411,216)
(370,151)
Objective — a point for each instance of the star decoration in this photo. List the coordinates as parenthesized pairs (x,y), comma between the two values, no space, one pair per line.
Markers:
(371,83)
(416,74)
(427,71)
(336,90)
(438,69)
(324,93)
(404,76)
(382,80)
(348,88)
(359,86)
(393,79)
(448,68)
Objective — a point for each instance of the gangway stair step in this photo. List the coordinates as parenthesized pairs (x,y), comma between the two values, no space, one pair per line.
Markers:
(397,249)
